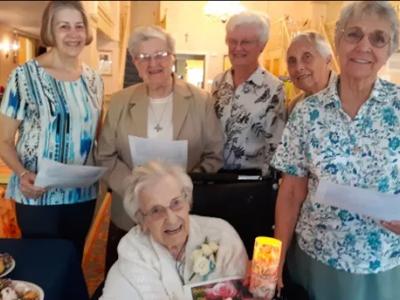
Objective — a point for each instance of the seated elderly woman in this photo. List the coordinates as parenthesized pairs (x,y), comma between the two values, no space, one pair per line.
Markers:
(308,61)
(169,248)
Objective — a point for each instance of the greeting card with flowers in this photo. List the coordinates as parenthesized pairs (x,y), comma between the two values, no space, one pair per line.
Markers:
(221,289)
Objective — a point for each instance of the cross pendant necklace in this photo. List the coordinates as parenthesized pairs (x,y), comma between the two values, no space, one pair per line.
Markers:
(158,128)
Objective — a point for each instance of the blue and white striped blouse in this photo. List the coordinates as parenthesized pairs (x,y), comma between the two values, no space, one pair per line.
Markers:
(59,122)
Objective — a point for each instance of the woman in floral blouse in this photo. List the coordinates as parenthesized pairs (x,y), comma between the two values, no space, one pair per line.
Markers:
(249,100)
(169,248)
(346,136)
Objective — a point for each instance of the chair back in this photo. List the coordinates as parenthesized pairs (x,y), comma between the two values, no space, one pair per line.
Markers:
(248,205)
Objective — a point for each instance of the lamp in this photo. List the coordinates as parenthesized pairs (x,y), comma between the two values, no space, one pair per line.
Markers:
(222,10)
(12,47)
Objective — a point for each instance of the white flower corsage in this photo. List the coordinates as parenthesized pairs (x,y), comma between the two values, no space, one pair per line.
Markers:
(204,259)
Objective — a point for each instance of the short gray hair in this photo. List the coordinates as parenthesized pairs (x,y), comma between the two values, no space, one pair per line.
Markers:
(145,33)
(143,175)
(317,40)
(382,9)
(251,18)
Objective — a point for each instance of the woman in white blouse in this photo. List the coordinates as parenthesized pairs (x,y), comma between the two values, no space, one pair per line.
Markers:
(169,248)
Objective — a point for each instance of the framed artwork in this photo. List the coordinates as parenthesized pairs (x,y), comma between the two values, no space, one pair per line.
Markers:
(105,62)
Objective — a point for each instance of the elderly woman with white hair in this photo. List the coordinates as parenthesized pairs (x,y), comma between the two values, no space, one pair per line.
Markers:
(308,60)
(340,156)
(162,107)
(169,248)
(249,100)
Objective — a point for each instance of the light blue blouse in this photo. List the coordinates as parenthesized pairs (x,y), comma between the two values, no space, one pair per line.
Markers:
(59,122)
(322,142)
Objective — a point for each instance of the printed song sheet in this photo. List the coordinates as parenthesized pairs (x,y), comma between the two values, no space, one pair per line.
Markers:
(145,149)
(54,174)
(365,202)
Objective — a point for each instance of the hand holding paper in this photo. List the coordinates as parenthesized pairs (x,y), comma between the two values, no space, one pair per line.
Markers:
(55,174)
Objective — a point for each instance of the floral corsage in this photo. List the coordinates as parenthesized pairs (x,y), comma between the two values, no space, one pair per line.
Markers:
(204,259)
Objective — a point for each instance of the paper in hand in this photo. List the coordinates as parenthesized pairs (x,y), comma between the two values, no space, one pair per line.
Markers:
(54,174)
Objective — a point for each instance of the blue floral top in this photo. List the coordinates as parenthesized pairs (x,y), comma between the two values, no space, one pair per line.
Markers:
(322,142)
(59,122)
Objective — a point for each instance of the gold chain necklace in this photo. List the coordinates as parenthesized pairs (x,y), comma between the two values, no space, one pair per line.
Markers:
(157,127)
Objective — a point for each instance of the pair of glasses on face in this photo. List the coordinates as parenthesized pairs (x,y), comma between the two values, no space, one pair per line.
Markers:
(377,38)
(244,43)
(157,56)
(159,212)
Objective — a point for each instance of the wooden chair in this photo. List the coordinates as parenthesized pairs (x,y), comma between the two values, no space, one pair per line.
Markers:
(95,247)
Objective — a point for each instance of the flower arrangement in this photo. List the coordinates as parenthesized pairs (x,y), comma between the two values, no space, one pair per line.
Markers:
(204,259)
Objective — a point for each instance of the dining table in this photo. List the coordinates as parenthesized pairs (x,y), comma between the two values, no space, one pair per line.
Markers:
(52,264)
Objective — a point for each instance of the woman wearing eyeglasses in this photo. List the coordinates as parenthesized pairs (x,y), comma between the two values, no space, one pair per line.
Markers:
(249,101)
(162,107)
(345,138)
(169,248)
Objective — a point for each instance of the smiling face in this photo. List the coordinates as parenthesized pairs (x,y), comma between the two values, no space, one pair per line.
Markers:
(155,70)
(69,32)
(362,60)
(308,69)
(244,45)
(170,230)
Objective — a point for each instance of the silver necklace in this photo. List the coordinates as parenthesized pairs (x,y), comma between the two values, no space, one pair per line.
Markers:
(180,263)
(157,127)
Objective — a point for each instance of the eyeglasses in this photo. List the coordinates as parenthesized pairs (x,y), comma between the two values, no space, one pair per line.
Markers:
(377,38)
(157,56)
(244,43)
(159,212)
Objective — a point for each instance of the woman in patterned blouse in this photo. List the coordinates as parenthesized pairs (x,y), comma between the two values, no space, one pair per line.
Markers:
(249,100)
(54,103)
(345,138)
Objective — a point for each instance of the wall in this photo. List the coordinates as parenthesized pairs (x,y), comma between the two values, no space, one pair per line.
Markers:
(6,63)
(105,39)
(196,33)
(144,13)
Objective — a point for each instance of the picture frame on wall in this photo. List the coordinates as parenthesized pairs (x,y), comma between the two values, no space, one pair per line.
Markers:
(105,62)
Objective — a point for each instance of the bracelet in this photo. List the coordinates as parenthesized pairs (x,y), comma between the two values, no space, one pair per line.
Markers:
(23,173)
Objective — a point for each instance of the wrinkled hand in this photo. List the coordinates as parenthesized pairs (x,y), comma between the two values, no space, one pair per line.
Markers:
(247,278)
(279,284)
(392,226)
(27,187)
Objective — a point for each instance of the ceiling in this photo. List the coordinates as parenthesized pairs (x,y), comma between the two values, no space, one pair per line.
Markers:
(25,16)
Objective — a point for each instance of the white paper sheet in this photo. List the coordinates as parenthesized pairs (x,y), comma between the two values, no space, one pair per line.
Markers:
(55,174)
(366,202)
(145,149)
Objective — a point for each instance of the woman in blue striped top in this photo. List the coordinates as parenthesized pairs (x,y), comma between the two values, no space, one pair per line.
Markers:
(54,104)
